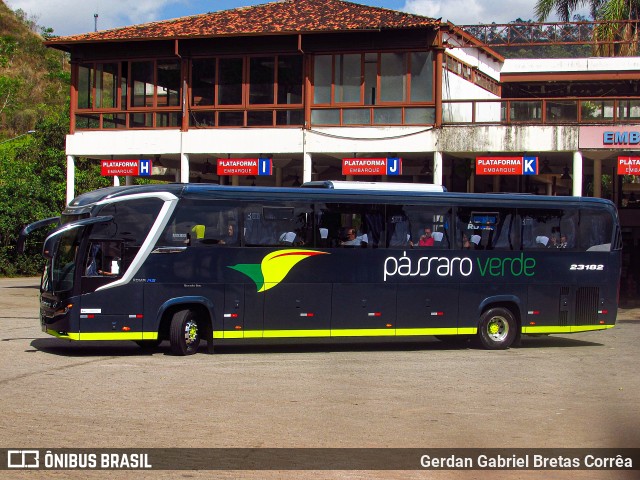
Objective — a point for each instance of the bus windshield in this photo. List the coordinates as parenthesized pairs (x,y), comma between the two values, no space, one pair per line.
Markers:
(60,272)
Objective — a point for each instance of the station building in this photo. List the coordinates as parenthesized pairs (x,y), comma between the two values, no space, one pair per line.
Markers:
(326,89)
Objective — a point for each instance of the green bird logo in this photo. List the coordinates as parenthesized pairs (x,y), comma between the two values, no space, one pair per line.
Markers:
(274,267)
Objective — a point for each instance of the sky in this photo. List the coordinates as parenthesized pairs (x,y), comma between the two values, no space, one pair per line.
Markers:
(69,17)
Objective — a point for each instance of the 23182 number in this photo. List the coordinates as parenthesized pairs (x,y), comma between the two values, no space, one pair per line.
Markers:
(581,266)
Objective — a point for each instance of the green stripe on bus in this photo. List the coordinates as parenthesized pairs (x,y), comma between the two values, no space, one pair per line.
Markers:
(105,335)
(567,329)
(347,332)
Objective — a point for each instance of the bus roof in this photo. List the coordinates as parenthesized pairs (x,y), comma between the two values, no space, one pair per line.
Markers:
(334,191)
(375,186)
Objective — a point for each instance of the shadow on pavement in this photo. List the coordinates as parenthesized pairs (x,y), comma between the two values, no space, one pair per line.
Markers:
(68,348)
(56,346)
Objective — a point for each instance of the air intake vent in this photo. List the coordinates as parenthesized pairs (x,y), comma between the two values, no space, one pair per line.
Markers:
(587,305)
(564,319)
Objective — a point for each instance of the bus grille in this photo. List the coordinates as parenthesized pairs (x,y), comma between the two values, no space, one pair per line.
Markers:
(587,305)
(564,319)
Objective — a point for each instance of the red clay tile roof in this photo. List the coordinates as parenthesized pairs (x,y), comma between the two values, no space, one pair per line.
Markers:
(286,16)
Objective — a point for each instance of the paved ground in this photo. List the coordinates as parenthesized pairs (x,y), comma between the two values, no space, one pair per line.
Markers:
(561,391)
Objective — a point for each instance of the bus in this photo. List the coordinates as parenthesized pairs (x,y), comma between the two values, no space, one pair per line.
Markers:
(196,263)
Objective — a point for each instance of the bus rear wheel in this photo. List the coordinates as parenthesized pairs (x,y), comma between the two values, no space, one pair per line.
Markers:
(184,335)
(498,329)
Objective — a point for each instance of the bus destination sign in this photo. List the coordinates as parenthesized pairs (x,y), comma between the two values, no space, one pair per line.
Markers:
(628,165)
(372,166)
(506,165)
(245,166)
(125,168)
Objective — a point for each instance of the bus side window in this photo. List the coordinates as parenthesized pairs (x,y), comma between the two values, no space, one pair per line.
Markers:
(548,228)
(201,224)
(596,230)
(418,226)
(479,229)
(104,258)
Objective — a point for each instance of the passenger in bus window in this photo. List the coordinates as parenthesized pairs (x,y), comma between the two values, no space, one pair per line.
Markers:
(426,239)
(466,244)
(555,242)
(563,241)
(353,239)
(231,237)
(199,231)
(95,267)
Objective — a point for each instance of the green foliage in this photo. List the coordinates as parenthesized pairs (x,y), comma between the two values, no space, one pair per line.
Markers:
(626,35)
(33,187)
(8,46)
(33,78)
(34,95)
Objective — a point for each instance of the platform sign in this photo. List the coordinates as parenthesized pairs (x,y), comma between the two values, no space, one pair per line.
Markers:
(628,165)
(125,168)
(245,166)
(372,166)
(505,165)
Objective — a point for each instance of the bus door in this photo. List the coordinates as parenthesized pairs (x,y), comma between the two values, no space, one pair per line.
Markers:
(427,309)
(297,310)
(108,313)
(363,309)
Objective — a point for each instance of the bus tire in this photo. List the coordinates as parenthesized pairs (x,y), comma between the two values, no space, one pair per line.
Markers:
(184,333)
(498,329)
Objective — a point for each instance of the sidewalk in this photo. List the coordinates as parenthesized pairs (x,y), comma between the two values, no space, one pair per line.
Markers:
(626,314)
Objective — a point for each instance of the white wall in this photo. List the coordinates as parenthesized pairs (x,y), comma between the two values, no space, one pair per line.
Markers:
(569,65)
(476,138)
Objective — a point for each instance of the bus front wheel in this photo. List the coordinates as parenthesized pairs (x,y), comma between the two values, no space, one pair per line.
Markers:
(497,329)
(184,334)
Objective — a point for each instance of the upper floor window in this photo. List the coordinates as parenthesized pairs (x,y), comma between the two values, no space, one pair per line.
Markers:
(347,88)
(98,85)
(136,87)
(236,91)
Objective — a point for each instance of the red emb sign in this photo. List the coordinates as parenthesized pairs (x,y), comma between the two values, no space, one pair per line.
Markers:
(372,166)
(506,165)
(125,168)
(245,166)
(628,165)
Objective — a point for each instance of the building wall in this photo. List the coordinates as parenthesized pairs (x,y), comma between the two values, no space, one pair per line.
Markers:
(477,138)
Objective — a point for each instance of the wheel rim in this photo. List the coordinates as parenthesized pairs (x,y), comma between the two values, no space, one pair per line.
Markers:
(497,329)
(190,332)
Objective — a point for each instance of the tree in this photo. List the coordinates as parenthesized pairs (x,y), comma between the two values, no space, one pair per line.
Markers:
(612,37)
(564,8)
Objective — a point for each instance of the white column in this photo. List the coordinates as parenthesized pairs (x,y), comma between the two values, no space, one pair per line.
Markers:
(597,178)
(71,178)
(577,174)
(116,181)
(184,168)
(306,167)
(437,168)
